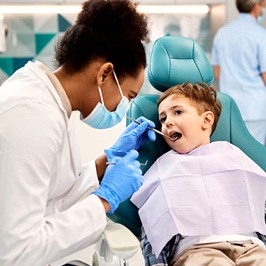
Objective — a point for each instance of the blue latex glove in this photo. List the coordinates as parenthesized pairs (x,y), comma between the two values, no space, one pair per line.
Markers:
(132,138)
(121,180)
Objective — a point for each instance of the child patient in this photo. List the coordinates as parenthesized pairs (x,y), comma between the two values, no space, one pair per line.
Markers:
(207,197)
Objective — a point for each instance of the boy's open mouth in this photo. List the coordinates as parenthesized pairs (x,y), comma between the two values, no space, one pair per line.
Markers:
(175,136)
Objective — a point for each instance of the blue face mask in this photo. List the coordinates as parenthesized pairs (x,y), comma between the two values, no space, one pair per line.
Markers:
(101,118)
(261,17)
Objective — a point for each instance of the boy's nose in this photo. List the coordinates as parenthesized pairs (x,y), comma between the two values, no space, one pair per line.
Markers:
(169,121)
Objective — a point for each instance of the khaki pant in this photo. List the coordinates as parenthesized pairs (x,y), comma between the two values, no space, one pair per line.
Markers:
(243,253)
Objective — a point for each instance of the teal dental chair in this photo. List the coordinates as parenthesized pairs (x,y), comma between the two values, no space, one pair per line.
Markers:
(175,60)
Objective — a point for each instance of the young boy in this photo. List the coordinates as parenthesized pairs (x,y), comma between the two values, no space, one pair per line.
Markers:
(204,200)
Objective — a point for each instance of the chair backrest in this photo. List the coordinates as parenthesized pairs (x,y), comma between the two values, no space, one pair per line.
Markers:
(175,60)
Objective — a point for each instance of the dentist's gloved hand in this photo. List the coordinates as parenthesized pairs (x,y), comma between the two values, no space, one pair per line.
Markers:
(121,180)
(132,138)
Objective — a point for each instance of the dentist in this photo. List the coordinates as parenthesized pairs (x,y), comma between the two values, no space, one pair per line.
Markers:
(50,205)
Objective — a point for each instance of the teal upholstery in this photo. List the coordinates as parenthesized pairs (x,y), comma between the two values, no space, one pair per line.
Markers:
(166,53)
(170,66)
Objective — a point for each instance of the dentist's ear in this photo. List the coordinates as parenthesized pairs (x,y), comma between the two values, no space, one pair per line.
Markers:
(208,119)
(105,70)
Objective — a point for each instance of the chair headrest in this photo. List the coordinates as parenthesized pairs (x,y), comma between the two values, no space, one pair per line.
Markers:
(176,60)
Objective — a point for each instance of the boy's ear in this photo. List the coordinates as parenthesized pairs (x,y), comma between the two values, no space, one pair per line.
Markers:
(208,119)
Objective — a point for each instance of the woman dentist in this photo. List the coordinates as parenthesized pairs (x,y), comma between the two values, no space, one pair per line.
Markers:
(47,208)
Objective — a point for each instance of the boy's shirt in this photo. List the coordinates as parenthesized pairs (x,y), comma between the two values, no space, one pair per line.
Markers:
(194,194)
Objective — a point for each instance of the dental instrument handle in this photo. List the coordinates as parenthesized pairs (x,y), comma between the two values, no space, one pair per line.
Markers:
(150,128)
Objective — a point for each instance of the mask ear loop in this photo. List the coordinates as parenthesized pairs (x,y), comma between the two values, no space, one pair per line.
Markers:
(118,85)
(101,95)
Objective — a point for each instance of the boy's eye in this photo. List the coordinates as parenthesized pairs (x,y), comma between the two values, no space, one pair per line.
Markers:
(178,112)
(162,119)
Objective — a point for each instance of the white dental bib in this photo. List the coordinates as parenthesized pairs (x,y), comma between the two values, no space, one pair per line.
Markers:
(215,189)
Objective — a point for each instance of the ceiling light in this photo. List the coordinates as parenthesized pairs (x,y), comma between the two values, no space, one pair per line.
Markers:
(174,9)
(74,9)
(40,9)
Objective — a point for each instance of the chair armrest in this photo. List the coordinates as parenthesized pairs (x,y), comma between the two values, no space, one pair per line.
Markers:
(121,241)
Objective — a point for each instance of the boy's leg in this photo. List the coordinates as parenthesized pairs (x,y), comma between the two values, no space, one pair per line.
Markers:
(251,255)
(204,255)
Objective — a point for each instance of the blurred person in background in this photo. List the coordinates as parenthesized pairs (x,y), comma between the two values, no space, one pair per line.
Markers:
(239,63)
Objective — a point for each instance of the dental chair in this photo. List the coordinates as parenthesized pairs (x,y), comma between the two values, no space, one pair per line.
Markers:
(176,60)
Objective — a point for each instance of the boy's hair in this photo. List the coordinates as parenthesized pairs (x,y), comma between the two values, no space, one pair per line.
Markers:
(110,29)
(202,96)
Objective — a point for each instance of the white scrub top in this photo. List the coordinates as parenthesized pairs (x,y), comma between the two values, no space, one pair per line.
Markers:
(42,218)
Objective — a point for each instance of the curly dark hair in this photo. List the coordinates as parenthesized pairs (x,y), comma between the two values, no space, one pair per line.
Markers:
(110,29)
(202,96)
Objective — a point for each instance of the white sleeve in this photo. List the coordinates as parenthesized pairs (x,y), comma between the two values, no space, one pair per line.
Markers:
(29,138)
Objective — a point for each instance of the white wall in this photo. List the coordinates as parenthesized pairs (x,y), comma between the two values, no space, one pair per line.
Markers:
(217,19)
(2,35)
(230,10)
